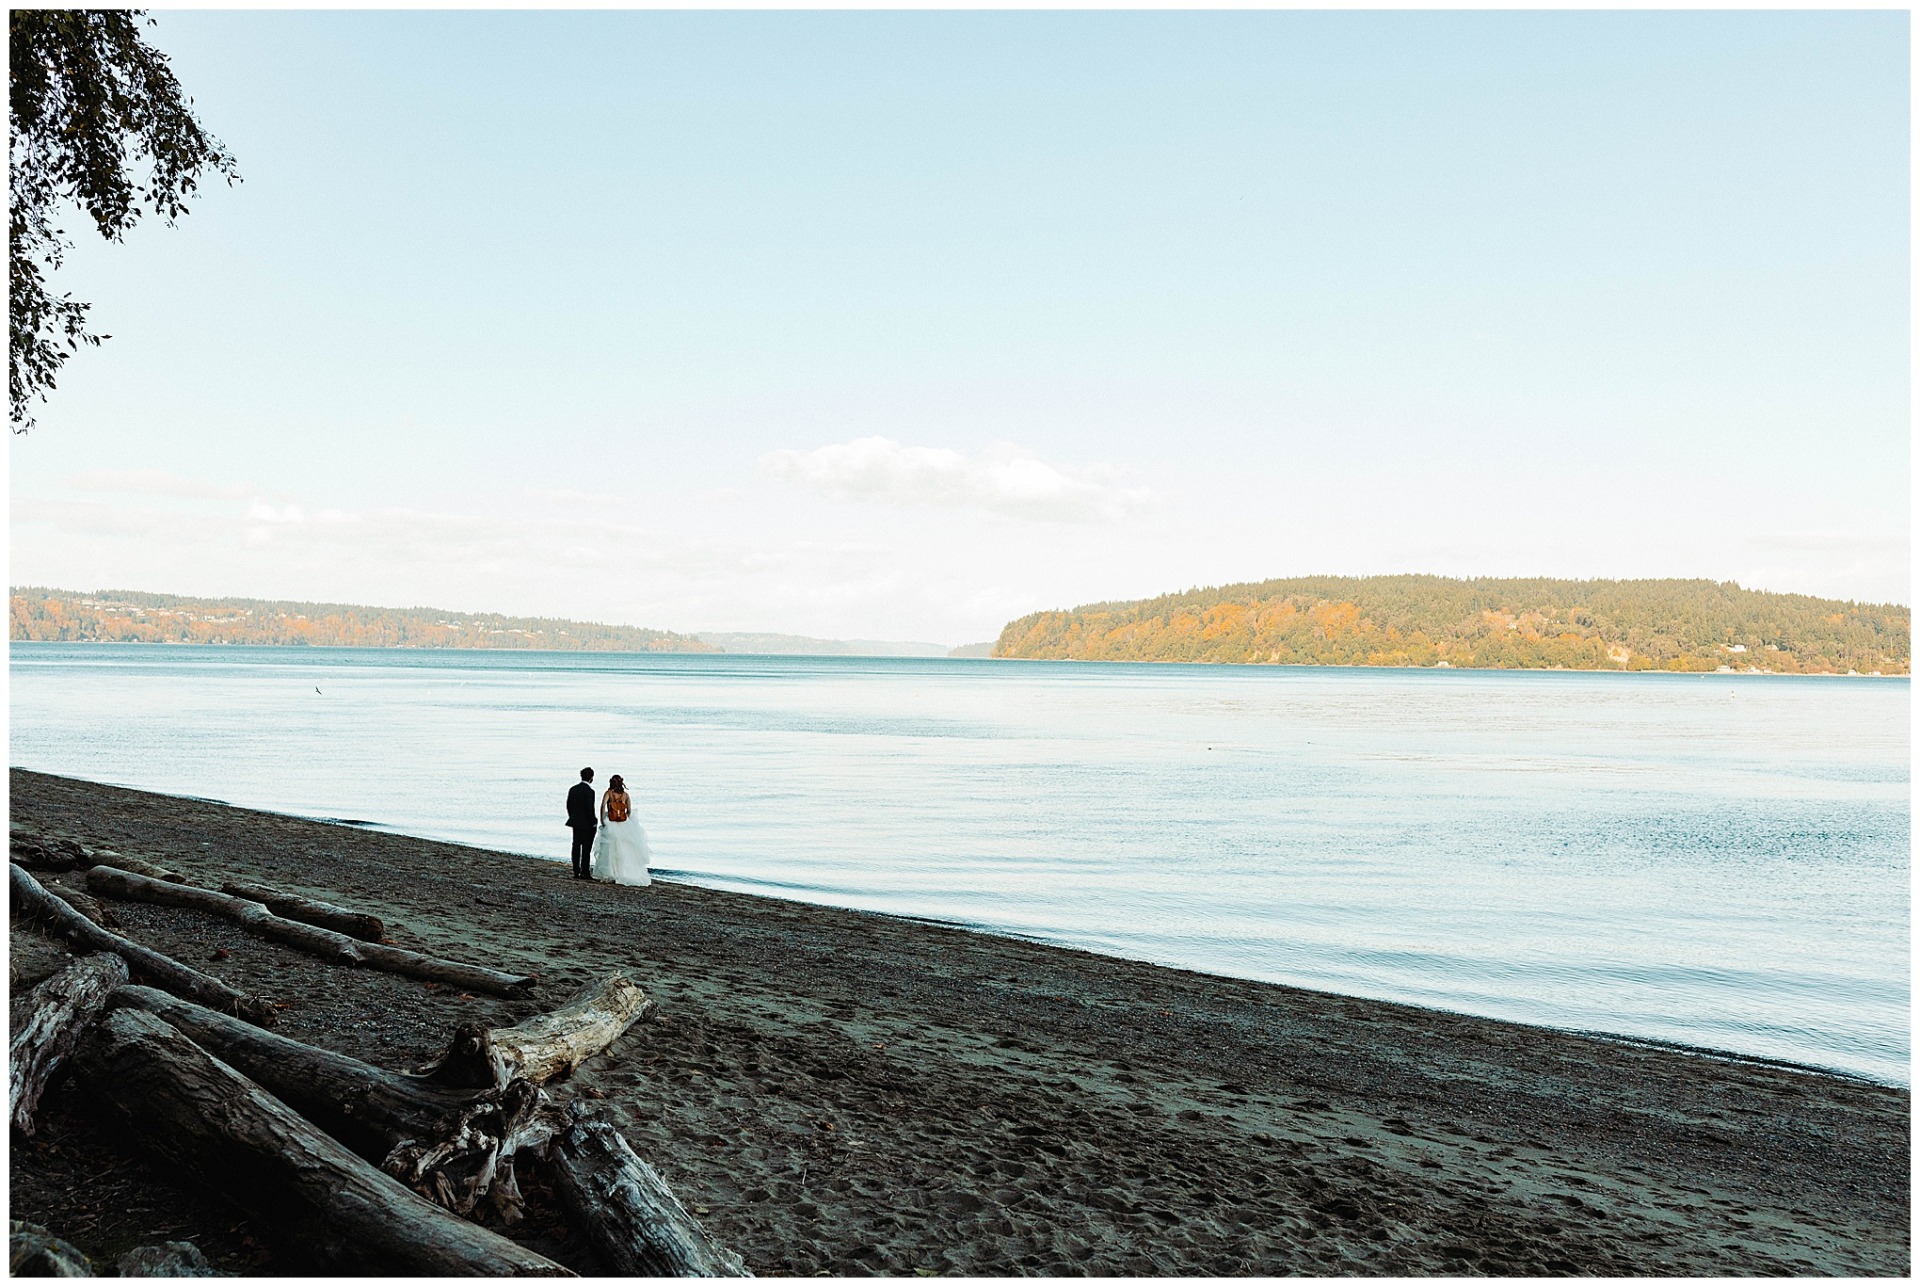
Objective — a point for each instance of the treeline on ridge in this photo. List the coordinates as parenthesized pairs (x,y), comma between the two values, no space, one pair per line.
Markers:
(1487,623)
(132,616)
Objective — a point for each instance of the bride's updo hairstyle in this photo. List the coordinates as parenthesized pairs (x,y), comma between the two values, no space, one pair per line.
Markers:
(617,783)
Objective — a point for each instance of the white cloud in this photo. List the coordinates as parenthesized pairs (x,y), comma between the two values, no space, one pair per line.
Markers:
(537,553)
(262,512)
(1004,481)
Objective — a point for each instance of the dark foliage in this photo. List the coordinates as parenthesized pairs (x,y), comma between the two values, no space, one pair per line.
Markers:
(98,120)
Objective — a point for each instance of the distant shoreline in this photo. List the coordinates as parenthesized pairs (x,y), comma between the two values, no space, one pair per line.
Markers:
(1050,661)
(1486,623)
(1412,622)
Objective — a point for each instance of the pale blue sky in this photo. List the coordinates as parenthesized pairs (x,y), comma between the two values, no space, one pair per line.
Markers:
(899,325)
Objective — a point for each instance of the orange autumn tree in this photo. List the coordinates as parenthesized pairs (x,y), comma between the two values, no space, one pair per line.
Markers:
(1499,623)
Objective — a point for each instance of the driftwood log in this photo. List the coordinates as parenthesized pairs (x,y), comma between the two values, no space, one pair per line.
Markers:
(49,1022)
(548,1046)
(310,911)
(32,1252)
(627,1209)
(114,882)
(31,898)
(365,1106)
(325,943)
(127,862)
(84,903)
(166,1260)
(50,854)
(47,855)
(464,1148)
(451,1145)
(470,1159)
(201,1115)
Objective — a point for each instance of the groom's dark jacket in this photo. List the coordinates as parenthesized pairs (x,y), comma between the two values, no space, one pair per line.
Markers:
(580,806)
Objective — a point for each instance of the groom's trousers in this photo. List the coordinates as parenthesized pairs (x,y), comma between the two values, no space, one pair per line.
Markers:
(583,850)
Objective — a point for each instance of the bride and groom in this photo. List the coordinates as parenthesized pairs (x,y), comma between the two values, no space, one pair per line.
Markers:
(613,846)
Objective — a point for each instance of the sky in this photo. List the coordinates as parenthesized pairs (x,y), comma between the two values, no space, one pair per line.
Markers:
(902,325)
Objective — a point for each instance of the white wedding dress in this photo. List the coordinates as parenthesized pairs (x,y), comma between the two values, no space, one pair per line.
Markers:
(620,851)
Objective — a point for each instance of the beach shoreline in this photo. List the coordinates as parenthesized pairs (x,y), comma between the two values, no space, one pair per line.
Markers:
(853,1093)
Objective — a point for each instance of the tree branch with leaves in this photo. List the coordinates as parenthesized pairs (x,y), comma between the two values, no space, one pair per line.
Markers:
(98,121)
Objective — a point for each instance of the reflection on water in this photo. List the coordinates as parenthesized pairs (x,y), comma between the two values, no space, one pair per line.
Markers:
(1714,860)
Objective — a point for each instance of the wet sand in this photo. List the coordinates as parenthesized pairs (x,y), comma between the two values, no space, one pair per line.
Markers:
(844,1093)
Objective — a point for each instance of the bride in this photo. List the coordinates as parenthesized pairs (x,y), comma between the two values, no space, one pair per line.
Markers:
(620,851)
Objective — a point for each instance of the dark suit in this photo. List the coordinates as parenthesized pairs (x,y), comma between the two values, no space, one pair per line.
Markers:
(580,818)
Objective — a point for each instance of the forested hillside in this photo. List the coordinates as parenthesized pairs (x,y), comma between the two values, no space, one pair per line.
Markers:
(129,616)
(1486,623)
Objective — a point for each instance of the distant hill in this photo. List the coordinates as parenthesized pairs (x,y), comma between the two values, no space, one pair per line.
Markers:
(803,646)
(131,616)
(1484,623)
(972,650)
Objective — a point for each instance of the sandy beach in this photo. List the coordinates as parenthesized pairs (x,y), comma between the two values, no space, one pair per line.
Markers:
(843,1093)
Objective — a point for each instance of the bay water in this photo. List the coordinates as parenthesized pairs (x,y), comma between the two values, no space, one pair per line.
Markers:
(1720,861)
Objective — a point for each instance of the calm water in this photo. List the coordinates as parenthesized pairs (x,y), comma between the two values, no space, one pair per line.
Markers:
(1715,860)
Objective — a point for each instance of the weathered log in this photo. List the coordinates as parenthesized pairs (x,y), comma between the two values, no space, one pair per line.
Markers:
(31,898)
(368,1108)
(166,1260)
(51,1020)
(471,1158)
(547,1046)
(311,911)
(47,855)
(201,1115)
(627,1209)
(451,1145)
(50,854)
(32,1252)
(325,943)
(138,866)
(115,882)
(84,903)
(434,969)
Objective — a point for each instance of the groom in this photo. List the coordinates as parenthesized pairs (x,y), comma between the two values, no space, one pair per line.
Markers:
(580,818)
